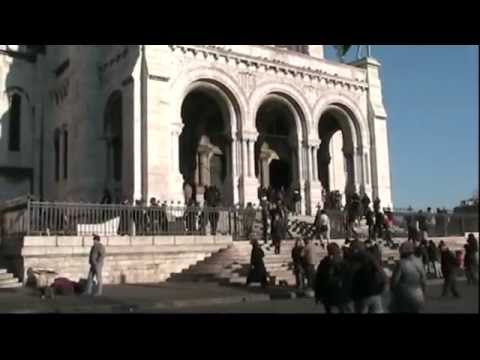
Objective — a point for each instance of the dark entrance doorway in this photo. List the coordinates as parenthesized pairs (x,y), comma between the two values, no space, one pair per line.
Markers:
(280,176)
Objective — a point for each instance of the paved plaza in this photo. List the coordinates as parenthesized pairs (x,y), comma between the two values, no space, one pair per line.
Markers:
(205,298)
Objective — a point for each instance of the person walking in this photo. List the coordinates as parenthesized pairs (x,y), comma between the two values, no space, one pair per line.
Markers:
(471,260)
(311,261)
(408,283)
(96,260)
(330,287)
(258,272)
(367,281)
(370,219)
(299,264)
(433,259)
(450,267)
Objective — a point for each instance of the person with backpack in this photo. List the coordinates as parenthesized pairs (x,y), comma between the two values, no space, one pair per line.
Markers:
(330,287)
(408,283)
(310,260)
(96,260)
(368,281)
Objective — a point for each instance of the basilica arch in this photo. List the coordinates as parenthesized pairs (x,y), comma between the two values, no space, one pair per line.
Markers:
(207,143)
(279,150)
(337,121)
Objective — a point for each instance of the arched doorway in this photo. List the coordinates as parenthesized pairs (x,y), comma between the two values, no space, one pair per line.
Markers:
(206,142)
(113,135)
(276,150)
(336,166)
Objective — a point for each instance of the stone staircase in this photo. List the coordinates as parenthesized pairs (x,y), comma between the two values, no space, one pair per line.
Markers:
(8,281)
(231,266)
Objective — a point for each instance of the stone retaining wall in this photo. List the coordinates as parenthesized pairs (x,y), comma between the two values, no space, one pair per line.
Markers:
(129,259)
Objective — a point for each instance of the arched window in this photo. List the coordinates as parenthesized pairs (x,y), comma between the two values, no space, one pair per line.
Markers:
(14,125)
(56,145)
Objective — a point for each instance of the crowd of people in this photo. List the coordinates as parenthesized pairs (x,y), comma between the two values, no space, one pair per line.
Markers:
(352,278)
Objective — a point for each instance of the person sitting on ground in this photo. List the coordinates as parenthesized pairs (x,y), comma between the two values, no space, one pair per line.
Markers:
(258,272)
(330,287)
(408,283)
(298,263)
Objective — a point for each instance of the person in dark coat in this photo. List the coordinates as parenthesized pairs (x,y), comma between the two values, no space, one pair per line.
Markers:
(432,259)
(265,219)
(299,264)
(374,250)
(365,204)
(330,287)
(125,221)
(250,215)
(471,260)
(370,218)
(107,198)
(258,272)
(449,270)
(376,205)
(367,281)
(277,232)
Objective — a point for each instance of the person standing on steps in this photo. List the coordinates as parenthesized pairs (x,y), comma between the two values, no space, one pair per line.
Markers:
(324,227)
(365,204)
(298,263)
(258,272)
(277,232)
(311,261)
(96,260)
(450,267)
(297,202)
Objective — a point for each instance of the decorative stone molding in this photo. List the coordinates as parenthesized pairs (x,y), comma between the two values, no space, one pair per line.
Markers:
(274,66)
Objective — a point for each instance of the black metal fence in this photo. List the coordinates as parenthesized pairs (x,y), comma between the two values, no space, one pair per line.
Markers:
(32,218)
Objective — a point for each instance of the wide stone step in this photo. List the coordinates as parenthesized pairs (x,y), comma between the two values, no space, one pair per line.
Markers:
(11,280)
(5,276)
(14,285)
(3,271)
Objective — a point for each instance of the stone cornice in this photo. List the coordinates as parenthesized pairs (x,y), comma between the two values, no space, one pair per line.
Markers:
(225,55)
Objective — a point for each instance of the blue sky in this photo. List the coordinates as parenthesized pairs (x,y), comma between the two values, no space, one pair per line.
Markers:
(431,95)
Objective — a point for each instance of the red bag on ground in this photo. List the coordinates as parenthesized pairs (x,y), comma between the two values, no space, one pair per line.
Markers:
(63,286)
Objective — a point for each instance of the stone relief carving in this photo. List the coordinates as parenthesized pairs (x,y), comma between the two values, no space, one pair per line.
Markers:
(248,81)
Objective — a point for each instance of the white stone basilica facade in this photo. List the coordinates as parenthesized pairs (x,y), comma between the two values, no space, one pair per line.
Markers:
(141,120)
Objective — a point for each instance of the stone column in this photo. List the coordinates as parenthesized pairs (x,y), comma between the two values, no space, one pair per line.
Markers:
(248,180)
(176,178)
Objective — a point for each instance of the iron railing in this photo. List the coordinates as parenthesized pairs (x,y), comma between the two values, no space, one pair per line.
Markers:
(32,218)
